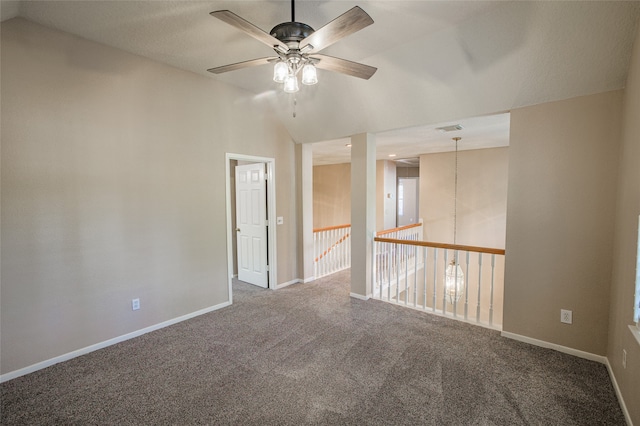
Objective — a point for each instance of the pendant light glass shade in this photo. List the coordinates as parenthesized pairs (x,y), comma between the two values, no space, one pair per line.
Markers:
(454,282)
(291,84)
(309,75)
(280,71)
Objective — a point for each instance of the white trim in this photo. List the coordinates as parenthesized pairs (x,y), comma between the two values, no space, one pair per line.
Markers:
(271,221)
(636,332)
(83,351)
(564,349)
(288,283)
(627,416)
(359,296)
(308,280)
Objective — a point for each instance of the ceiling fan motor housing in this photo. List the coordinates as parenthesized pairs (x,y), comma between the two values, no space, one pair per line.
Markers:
(288,32)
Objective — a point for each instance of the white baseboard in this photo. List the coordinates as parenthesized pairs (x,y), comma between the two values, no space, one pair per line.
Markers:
(288,283)
(308,280)
(359,296)
(83,351)
(627,416)
(564,349)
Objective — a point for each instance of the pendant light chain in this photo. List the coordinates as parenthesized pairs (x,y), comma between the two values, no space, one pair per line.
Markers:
(455,195)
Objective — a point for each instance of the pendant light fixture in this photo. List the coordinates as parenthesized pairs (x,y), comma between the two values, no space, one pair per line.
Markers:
(454,277)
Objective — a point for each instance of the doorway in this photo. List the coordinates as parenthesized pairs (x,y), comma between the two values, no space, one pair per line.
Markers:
(407,201)
(266,200)
(251,224)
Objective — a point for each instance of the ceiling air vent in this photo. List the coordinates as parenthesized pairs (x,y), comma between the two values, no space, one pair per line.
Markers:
(451,128)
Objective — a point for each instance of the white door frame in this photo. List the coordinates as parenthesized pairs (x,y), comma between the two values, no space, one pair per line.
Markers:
(270,163)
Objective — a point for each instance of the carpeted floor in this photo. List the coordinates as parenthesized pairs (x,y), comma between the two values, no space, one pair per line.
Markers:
(310,354)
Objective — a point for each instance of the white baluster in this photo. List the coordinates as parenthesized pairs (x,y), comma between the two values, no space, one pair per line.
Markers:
(479,286)
(373,268)
(415,276)
(406,274)
(493,264)
(444,287)
(424,276)
(388,271)
(466,288)
(397,273)
(455,286)
(435,282)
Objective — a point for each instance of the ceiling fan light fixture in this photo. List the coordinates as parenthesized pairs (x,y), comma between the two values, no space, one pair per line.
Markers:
(291,84)
(280,72)
(293,42)
(309,75)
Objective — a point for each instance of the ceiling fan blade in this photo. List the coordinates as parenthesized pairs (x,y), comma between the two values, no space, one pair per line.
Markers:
(349,22)
(240,65)
(247,27)
(345,67)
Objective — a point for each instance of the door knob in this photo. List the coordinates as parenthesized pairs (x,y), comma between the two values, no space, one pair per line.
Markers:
(237,229)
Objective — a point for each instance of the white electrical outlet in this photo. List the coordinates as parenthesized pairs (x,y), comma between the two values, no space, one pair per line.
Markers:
(135,304)
(566,316)
(624,358)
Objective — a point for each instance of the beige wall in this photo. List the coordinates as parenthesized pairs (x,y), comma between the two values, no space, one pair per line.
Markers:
(113,189)
(563,161)
(624,249)
(482,196)
(407,171)
(331,195)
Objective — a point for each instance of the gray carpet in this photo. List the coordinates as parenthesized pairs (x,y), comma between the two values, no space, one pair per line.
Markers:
(310,354)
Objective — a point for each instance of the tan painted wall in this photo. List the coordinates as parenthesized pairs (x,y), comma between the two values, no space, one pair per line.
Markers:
(113,189)
(482,196)
(331,195)
(624,249)
(563,162)
(407,171)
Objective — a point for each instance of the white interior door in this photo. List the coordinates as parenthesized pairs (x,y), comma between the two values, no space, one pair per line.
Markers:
(251,224)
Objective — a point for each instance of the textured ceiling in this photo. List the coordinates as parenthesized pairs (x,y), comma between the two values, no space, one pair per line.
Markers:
(438,61)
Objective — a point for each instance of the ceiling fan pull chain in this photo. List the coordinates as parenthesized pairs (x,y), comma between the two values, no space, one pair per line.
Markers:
(295,103)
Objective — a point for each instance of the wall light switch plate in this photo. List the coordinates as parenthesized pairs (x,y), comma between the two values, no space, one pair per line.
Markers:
(135,304)
(566,316)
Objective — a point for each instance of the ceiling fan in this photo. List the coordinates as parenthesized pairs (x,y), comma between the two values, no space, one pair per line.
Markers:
(297,45)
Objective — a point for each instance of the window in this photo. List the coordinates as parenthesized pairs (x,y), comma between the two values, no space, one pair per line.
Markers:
(636,306)
(635,329)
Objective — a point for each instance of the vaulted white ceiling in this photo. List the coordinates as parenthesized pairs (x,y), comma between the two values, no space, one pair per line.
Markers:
(437,61)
